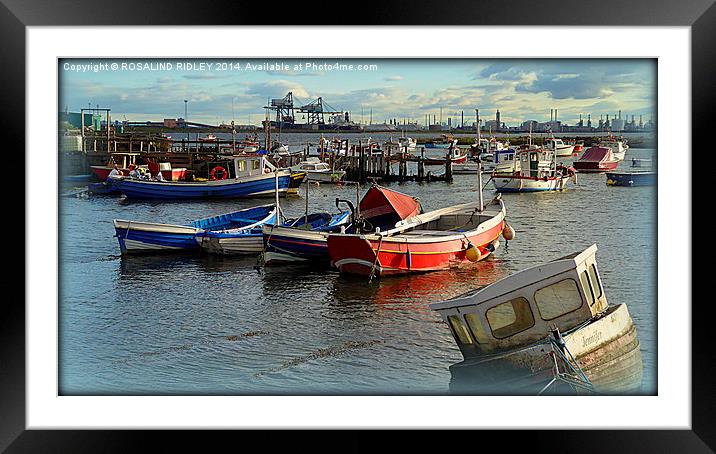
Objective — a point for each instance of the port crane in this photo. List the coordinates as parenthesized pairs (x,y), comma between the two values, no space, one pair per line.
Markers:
(285,110)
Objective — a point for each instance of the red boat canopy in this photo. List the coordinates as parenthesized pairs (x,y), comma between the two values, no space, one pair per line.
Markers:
(384,207)
(597,154)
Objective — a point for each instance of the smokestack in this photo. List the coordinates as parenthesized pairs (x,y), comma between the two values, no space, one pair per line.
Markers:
(555,114)
(620,114)
(551,114)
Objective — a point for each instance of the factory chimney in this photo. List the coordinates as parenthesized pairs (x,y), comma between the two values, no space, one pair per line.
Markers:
(551,115)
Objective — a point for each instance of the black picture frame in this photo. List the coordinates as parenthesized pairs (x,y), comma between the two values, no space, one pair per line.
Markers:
(16,15)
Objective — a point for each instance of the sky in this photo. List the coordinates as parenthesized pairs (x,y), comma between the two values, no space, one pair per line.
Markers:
(219,90)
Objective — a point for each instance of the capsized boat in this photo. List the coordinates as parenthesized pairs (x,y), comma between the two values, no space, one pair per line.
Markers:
(440,239)
(248,177)
(380,207)
(546,329)
(596,160)
(137,236)
(538,171)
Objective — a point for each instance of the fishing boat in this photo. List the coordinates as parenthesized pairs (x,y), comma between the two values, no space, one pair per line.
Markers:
(638,175)
(440,239)
(596,160)
(319,171)
(618,146)
(445,141)
(248,177)
(138,236)
(380,207)
(502,160)
(249,240)
(538,171)
(457,156)
(560,149)
(546,329)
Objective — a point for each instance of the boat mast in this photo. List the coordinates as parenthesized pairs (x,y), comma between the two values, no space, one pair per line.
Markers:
(278,207)
(477,126)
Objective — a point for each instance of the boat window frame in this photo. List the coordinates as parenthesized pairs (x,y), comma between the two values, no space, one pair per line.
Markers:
(592,267)
(576,286)
(475,336)
(516,298)
(590,297)
(466,329)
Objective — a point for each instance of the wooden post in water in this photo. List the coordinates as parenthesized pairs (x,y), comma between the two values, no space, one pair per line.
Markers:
(448,166)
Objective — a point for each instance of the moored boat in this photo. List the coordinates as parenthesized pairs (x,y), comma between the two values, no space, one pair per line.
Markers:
(457,156)
(596,160)
(618,146)
(441,239)
(638,175)
(538,171)
(546,329)
(250,176)
(559,148)
(138,236)
(319,171)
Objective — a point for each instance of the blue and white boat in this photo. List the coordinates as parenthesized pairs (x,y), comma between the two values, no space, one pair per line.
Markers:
(251,242)
(302,239)
(637,176)
(136,236)
(252,176)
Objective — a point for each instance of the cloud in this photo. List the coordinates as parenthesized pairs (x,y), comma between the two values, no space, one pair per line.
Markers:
(278,89)
(393,78)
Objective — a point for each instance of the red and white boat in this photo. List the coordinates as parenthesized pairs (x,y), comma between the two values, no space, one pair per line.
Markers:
(536,170)
(457,156)
(596,159)
(437,240)
(168,173)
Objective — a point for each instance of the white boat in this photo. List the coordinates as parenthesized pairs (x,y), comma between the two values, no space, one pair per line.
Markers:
(616,144)
(546,329)
(538,171)
(407,143)
(561,149)
(502,160)
(319,171)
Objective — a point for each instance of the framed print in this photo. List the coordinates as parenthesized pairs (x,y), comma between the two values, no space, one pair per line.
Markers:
(453,224)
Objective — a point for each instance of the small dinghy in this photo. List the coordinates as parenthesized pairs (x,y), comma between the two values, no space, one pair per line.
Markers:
(144,237)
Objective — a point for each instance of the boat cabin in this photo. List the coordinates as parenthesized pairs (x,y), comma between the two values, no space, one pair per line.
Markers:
(314,167)
(523,308)
(244,166)
(537,162)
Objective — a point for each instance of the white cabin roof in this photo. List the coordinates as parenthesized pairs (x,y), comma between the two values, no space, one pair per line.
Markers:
(518,280)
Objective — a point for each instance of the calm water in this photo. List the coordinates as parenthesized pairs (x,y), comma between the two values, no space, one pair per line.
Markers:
(193,324)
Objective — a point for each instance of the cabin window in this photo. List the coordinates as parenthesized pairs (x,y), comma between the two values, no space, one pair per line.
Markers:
(587,287)
(594,279)
(473,321)
(510,318)
(459,329)
(558,299)
(255,165)
(242,166)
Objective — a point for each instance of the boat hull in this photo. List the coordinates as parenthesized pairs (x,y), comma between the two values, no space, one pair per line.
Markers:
(411,253)
(631,178)
(260,185)
(517,183)
(325,177)
(286,245)
(245,244)
(595,167)
(564,152)
(143,237)
(607,350)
